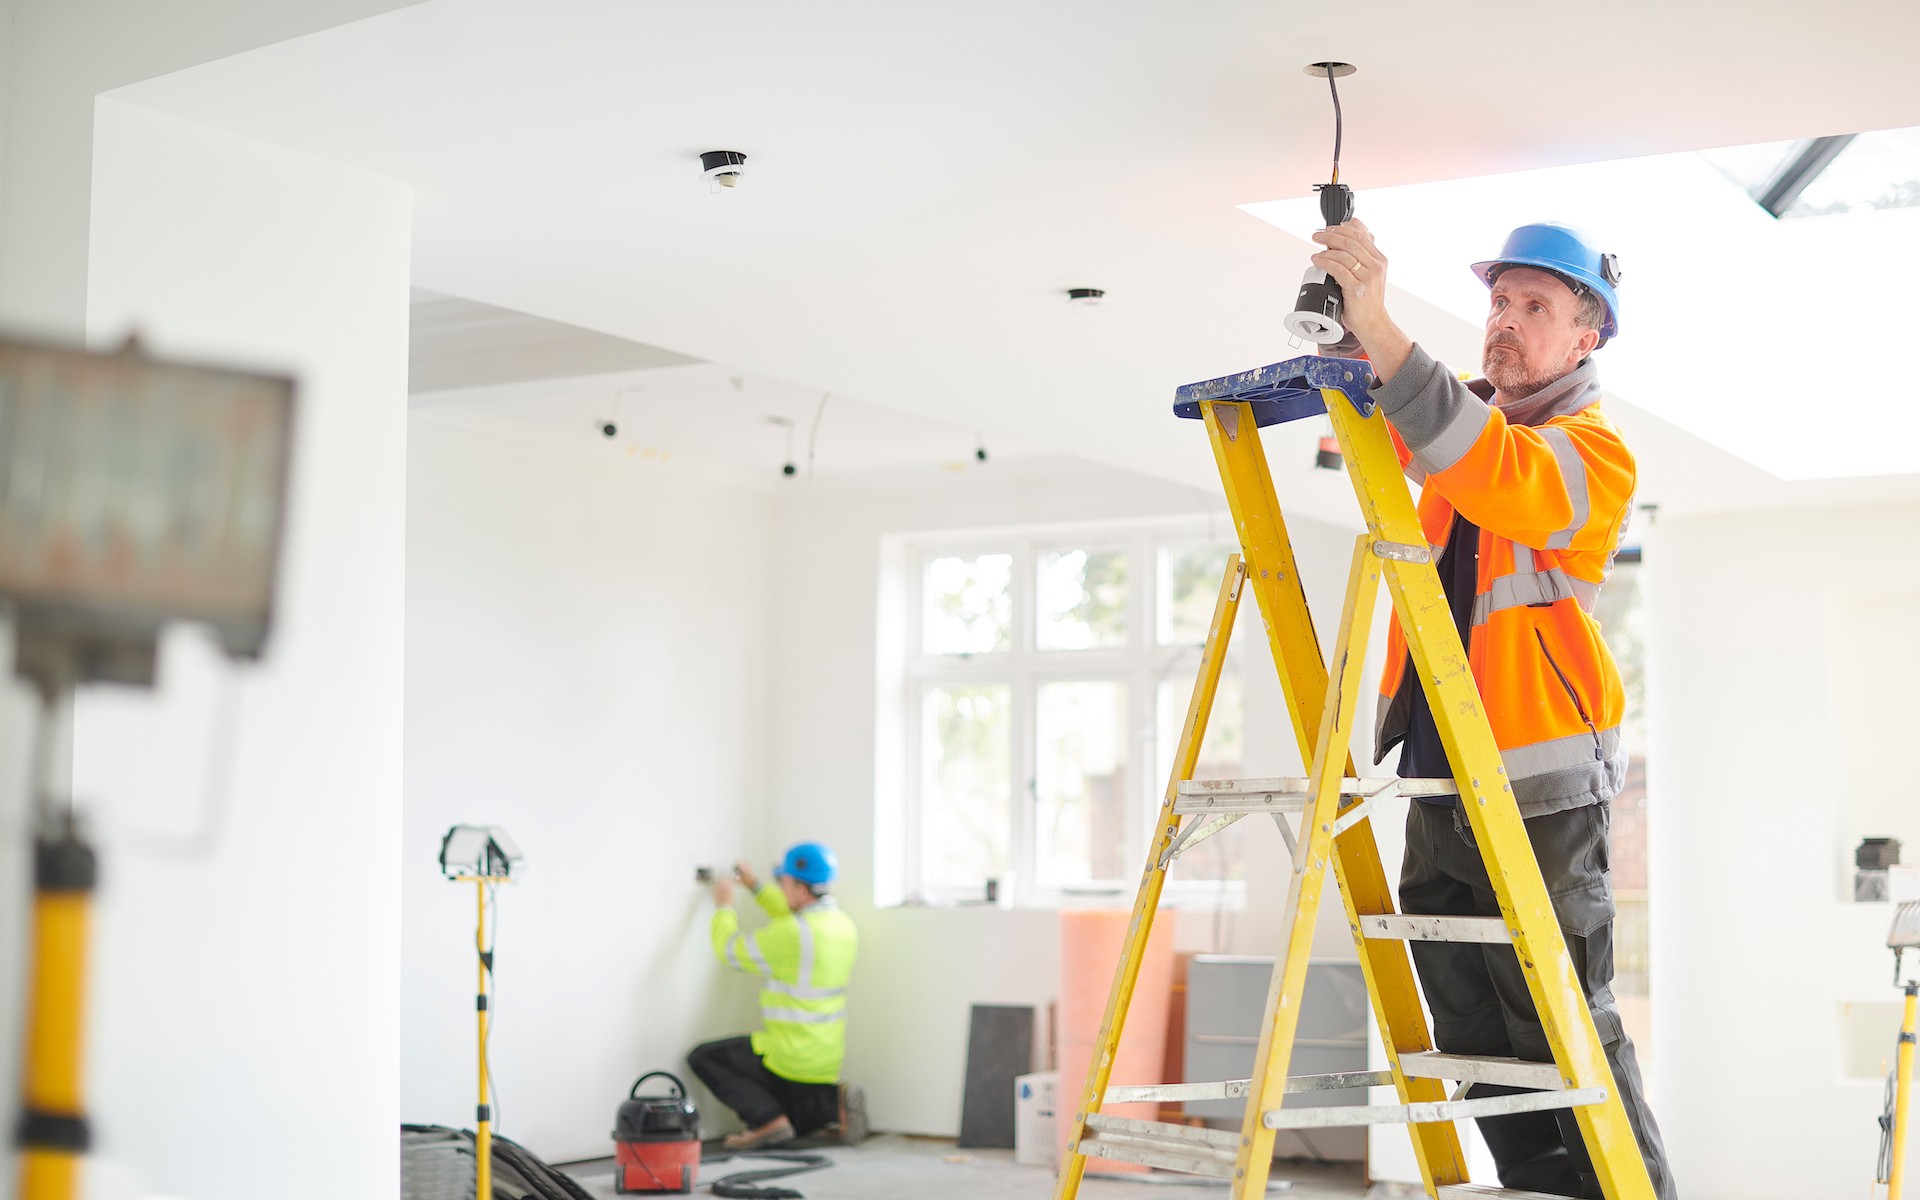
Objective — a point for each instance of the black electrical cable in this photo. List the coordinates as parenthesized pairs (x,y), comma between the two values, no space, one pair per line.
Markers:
(546,1182)
(1883,1165)
(813,432)
(752,1185)
(1331,87)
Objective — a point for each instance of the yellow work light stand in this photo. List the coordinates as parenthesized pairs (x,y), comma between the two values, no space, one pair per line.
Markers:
(483,1111)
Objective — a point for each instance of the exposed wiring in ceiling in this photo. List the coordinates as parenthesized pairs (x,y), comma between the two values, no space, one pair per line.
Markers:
(1335,89)
(813,431)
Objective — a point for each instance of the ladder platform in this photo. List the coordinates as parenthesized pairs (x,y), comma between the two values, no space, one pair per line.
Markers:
(1471,1068)
(1282,391)
(1290,793)
(1403,927)
(1196,1150)
(1433,1110)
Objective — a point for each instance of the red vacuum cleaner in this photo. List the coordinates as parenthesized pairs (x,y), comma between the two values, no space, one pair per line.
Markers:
(656,1140)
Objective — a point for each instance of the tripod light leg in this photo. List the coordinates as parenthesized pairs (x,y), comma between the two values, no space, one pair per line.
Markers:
(1903,1085)
(53,1126)
(483,1128)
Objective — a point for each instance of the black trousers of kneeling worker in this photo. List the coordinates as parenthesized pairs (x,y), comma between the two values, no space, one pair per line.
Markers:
(1479,996)
(739,1079)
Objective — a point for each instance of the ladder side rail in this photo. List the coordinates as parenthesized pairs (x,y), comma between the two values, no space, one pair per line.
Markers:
(1487,797)
(1271,570)
(1147,902)
(1387,966)
(1289,981)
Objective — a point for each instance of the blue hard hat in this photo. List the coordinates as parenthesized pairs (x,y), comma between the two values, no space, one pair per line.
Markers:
(1567,253)
(811,863)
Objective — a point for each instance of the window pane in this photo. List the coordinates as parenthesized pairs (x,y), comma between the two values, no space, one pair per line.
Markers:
(1622,618)
(1083,599)
(1187,588)
(965,775)
(1222,756)
(969,605)
(1083,803)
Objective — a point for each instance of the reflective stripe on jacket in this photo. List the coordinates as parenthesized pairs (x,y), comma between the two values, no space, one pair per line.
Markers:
(804,960)
(1549,481)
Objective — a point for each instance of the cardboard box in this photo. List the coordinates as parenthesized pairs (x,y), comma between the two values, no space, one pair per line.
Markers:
(1034,1129)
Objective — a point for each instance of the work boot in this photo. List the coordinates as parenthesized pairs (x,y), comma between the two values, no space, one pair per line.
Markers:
(853,1113)
(771,1134)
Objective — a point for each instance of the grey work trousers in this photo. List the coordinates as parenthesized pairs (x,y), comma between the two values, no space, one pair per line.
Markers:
(1479,997)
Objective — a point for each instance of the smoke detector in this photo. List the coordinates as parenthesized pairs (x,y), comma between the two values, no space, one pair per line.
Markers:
(723,168)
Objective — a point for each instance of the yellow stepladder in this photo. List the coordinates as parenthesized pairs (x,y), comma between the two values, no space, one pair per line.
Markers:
(1333,808)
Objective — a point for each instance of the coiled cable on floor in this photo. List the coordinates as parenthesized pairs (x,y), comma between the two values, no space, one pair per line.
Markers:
(746,1185)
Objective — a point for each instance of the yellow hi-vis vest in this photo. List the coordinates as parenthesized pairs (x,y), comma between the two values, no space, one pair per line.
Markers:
(804,960)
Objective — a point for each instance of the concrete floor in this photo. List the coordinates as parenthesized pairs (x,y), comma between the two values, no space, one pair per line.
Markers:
(889,1166)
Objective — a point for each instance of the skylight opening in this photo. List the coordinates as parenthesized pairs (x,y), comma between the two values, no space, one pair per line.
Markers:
(1821,177)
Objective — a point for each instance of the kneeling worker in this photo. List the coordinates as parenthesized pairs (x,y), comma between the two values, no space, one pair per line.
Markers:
(784,1081)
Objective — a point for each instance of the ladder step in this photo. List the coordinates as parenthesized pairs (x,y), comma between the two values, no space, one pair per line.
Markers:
(1437,1110)
(1403,927)
(1480,1191)
(1196,1150)
(1233,1089)
(1469,1068)
(1289,793)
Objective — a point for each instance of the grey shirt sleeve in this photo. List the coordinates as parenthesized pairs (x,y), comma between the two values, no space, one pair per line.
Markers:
(1435,414)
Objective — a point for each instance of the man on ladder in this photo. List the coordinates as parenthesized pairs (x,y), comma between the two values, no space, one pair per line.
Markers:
(1526,491)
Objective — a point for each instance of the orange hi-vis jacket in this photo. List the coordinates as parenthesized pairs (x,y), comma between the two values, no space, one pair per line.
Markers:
(1550,482)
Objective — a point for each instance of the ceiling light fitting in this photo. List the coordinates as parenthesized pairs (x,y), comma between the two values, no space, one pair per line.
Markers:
(723,168)
(1085,297)
(1316,311)
(788,468)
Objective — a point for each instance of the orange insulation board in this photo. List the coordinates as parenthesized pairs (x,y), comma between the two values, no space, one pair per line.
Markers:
(1090,944)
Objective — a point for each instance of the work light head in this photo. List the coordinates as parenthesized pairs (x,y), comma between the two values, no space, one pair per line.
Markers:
(478,851)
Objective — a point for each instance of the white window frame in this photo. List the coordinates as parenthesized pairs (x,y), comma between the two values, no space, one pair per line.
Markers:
(1142,664)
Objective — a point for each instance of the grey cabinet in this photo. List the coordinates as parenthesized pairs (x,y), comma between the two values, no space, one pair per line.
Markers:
(1226,1002)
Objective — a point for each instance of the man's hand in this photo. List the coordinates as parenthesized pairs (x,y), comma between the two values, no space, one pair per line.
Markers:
(723,892)
(744,874)
(1357,265)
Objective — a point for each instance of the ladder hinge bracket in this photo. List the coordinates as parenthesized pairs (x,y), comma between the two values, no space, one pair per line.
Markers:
(1401,551)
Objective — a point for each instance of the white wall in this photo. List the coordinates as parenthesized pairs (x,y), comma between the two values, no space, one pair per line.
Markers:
(588,648)
(922,968)
(55,57)
(1753,951)
(64,53)
(243,998)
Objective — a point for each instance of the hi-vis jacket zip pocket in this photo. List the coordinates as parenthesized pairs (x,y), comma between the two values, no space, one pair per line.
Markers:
(1572,695)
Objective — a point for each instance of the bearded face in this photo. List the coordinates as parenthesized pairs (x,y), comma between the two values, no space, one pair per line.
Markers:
(1508,369)
(1532,338)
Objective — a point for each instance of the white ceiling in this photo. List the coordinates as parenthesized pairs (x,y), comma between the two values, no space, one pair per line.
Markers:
(456,343)
(925,181)
(1739,328)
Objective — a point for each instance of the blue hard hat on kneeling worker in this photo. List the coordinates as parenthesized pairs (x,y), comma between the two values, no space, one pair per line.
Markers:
(1565,252)
(811,863)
